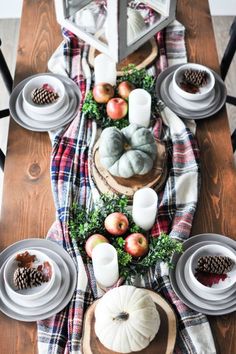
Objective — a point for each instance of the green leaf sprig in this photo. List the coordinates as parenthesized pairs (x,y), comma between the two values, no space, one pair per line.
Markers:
(83,224)
(140,78)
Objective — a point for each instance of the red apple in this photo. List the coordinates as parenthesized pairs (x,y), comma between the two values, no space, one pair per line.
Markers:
(116,224)
(124,89)
(136,244)
(117,108)
(93,241)
(103,92)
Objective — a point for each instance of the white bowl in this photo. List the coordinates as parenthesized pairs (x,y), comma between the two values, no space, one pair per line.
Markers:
(204,91)
(37,82)
(30,293)
(54,116)
(213,250)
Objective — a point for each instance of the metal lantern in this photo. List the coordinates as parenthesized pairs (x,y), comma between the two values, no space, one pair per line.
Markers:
(115,27)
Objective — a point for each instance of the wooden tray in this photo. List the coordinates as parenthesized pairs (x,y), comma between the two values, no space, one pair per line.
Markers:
(163,343)
(128,186)
(141,58)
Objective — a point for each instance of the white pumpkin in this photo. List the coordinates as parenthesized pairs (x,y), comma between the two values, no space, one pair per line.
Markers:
(126,319)
(135,25)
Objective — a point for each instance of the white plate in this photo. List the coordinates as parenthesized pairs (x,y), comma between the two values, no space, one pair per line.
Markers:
(192,105)
(44,126)
(48,248)
(181,265)
(44,122)
(43,117)
(53,292)
(51,299)
(213,297)
(194,108)
(214,106)
(195,240)
(191,296)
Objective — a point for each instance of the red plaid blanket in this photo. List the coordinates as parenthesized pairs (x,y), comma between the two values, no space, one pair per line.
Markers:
(71,181)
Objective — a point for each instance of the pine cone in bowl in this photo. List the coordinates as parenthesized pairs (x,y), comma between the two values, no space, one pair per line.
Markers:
(24,278)
(215,264)
(28,275)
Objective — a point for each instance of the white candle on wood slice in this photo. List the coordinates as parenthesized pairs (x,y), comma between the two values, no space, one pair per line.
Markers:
(145,208)
(104,69)
(105,264)
(140,107)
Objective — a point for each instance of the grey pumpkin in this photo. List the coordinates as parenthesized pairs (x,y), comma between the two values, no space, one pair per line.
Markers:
(127,152)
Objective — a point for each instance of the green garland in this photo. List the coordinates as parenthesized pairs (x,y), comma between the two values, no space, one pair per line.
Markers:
(83,224)
(97,111)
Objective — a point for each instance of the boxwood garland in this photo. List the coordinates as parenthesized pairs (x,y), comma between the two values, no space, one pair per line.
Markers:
(140,79)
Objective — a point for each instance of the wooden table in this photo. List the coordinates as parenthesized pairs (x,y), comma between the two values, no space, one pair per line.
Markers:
(28,209)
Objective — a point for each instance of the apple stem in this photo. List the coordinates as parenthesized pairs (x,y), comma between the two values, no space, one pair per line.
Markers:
(123,316)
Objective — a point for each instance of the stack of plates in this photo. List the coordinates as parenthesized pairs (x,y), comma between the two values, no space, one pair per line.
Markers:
(40,123)
(52,301)
(186,108)
(210,304)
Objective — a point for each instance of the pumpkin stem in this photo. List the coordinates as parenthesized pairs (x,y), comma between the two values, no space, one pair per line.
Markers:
(123,316)
(127,147)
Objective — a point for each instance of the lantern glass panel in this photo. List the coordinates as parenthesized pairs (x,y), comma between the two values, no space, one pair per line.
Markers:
(116,28)
(142,17)
(89,17)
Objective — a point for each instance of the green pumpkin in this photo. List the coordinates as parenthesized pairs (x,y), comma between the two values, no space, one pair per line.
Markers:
(127,152)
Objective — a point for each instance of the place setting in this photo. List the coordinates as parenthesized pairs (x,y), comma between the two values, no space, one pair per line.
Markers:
(38,279)
(204,276)
(191,90)
(44,102)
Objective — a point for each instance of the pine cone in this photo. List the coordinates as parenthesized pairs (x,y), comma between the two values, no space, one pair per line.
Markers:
(20,278)
(197,78)
(27,277)
(215,264)
(43,96)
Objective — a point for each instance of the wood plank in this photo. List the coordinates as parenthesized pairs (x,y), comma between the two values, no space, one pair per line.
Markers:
(28,209)
(216,206)
(163,342)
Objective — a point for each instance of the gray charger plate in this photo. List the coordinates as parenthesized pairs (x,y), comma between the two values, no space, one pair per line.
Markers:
(49,248)
(204,302)
(42,124)
(195,111)
(187,244)
(162,93)
(48,127)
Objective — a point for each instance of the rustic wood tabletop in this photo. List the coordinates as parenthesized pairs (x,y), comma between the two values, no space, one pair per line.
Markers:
(28,209)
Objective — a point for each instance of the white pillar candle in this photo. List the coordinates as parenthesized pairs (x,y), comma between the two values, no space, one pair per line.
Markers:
(140,107)
(104,69)
(144,208)
(105,264)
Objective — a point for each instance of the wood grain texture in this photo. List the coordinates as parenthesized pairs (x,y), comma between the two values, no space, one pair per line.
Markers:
(217,202)
(163,342)
(28,209)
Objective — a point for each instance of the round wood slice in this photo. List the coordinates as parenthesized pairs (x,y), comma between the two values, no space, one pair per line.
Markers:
(107,183)
(163,343)
(141,57)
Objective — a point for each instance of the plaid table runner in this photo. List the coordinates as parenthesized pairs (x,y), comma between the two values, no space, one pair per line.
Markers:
(72,181)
